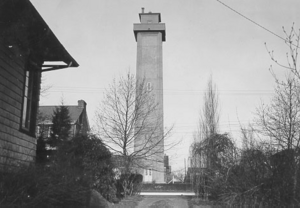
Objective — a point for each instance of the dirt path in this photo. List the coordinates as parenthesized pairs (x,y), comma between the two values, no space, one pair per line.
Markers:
(159,202)
(163,202)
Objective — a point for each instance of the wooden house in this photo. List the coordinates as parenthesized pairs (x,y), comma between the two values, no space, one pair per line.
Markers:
(78,115)
(28,48)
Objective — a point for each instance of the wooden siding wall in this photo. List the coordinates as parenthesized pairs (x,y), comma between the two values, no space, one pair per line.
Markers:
(15,146)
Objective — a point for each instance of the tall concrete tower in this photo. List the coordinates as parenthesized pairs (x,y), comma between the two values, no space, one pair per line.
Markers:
(150,34)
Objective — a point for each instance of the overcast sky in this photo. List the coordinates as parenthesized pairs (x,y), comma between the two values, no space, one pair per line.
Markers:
(203,37)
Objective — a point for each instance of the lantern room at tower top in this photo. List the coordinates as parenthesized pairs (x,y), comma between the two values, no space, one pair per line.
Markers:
(150,22)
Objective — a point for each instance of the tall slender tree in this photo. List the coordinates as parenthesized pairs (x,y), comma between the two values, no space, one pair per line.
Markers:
(208,125)
(210,115)
(212,151)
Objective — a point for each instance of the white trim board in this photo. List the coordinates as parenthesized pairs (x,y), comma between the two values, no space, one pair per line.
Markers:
(167,193)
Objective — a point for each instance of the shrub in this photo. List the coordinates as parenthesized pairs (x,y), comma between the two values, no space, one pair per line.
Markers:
(261,180)
(91,162)
(41,151)
(36,186)
(78,166)
(129,184)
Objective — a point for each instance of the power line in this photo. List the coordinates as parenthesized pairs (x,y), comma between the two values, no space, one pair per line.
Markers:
(166,91)
(257,24)
(165,94)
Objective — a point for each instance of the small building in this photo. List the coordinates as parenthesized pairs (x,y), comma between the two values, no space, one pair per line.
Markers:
(28,48)
(167,169)
(78,116)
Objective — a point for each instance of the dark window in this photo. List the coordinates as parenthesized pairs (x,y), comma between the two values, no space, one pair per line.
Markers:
(30,101)
(27,102)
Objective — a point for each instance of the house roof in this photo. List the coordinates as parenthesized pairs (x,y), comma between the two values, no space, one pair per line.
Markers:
(22,26)
(47,112)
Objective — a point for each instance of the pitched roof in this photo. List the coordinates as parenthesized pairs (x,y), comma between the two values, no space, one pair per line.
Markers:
(47,112)
(22,25)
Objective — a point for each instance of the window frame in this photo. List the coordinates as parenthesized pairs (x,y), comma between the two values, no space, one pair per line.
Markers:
(30,99)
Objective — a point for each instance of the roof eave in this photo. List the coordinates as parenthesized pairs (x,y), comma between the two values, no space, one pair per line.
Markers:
(22,25)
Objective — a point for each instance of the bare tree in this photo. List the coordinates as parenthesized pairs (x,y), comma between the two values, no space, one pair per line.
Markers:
(44,88)
(292,41)
(279,121)
(127,122)
(268,170)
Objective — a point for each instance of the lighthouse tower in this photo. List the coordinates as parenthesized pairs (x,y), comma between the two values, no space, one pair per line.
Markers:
(150,33)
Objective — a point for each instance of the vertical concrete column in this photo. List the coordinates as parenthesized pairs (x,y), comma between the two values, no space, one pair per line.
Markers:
(150,34)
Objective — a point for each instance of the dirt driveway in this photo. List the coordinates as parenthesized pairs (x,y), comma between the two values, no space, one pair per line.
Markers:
(163,202)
